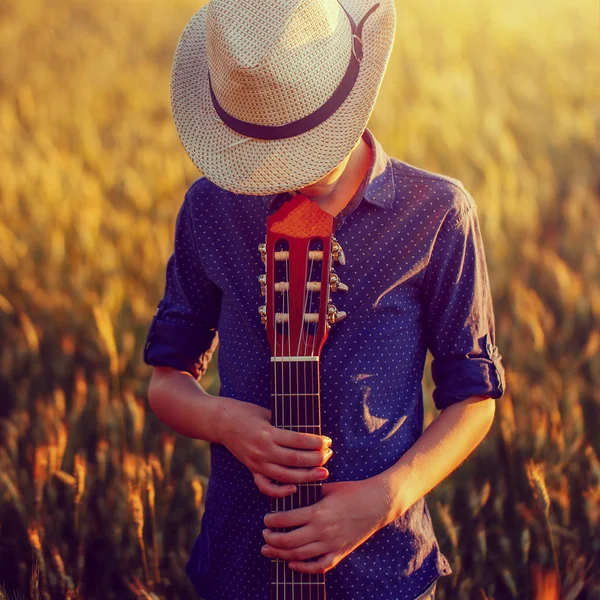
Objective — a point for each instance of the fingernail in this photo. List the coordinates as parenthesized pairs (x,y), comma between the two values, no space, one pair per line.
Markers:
(324,473)
(265,531)
(328,441)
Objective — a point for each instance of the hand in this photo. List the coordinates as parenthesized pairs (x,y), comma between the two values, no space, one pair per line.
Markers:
(348,514)
(270,452)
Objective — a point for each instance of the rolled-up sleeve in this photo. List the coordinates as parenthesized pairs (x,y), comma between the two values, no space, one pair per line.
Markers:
(183,332)
(459,315)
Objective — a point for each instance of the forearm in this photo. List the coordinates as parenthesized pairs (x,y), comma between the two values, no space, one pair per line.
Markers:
(180,402)
(443,446)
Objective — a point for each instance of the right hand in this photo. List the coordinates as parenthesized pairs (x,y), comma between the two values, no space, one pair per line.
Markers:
(270,452)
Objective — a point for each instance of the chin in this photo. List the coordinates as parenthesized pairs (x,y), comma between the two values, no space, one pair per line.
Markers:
(318,188)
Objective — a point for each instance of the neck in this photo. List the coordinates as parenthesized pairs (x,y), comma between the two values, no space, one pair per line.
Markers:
(334,197)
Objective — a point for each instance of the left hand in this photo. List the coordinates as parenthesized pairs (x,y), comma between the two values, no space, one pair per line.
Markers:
(348,514)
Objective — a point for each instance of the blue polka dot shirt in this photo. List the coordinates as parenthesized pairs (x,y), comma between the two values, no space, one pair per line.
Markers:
(418,281)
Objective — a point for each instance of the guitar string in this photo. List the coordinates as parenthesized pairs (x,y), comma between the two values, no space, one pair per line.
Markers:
(289,343)
(299,485)
(281,562)
(307,305)
(285,309)
(323,291)
(275,400)
(312,352)
(313,489)
(313,408)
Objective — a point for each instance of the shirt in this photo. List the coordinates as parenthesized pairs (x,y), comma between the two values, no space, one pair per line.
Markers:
(418,281)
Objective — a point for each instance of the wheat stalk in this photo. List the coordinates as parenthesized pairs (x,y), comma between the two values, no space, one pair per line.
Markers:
(79,486)
(540,491)
(137,512)
(38,576)
(151,492)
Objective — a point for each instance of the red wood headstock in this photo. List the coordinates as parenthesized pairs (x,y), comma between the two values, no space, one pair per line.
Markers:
(298,254)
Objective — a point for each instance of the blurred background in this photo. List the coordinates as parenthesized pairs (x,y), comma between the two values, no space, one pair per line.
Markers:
(97,498)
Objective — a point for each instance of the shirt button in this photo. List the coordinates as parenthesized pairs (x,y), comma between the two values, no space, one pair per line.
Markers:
(489,346)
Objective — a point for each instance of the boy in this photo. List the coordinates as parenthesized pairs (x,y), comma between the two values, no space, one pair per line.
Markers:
(272,100)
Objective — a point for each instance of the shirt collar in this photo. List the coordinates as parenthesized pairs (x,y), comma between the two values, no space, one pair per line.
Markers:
(379,189)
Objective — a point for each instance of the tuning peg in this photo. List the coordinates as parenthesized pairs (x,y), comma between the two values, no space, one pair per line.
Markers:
(262,248)
(262,310)
(337,252)
(262,279)
(335,284)
(334,315)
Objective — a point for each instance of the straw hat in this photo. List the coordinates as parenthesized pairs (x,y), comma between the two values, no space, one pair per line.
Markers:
(269,96)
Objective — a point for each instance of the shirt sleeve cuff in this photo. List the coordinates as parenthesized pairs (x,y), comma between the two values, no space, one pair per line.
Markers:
(458,379)
(182,347)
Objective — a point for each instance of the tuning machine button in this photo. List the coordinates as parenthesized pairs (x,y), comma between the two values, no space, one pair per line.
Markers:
(337,252)
(334,315)
(262,248)
(262,279)
(335,284)
(262,311)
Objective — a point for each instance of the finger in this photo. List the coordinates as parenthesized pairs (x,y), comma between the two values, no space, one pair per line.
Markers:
(324,564)
(266,486)
(300,440)
(302,553)
(289,518)
(302,458)
(291,539)
(291,475)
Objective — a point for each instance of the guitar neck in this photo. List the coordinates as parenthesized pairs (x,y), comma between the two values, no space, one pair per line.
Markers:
(295,405)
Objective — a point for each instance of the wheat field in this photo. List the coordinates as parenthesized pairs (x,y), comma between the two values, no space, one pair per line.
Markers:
(100,500)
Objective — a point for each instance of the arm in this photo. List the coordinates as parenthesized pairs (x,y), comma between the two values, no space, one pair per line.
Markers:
(459,330)
(180,402)
(352,511)
(444,445)
(180,343)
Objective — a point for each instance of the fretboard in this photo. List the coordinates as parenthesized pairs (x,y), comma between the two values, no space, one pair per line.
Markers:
(295,405)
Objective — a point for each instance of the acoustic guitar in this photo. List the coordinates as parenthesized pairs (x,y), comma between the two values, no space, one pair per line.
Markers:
(298,314)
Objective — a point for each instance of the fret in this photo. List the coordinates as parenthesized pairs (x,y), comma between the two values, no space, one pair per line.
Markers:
(298,427)
(295,359)
(283,573)
(294,378)
(305,495)
(297,582)
(287,387)
(310,586)
(310,484)
(293,394)
(296,413)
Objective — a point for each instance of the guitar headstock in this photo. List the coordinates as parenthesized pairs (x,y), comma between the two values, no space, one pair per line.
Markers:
(298,255)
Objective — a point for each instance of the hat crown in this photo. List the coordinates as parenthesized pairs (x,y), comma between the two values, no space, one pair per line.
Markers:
(232,29)
(272,63)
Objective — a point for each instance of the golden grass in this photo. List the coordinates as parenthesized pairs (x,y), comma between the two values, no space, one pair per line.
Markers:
(96,497)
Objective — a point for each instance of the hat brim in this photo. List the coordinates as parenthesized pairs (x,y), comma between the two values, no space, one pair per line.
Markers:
(253,166)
